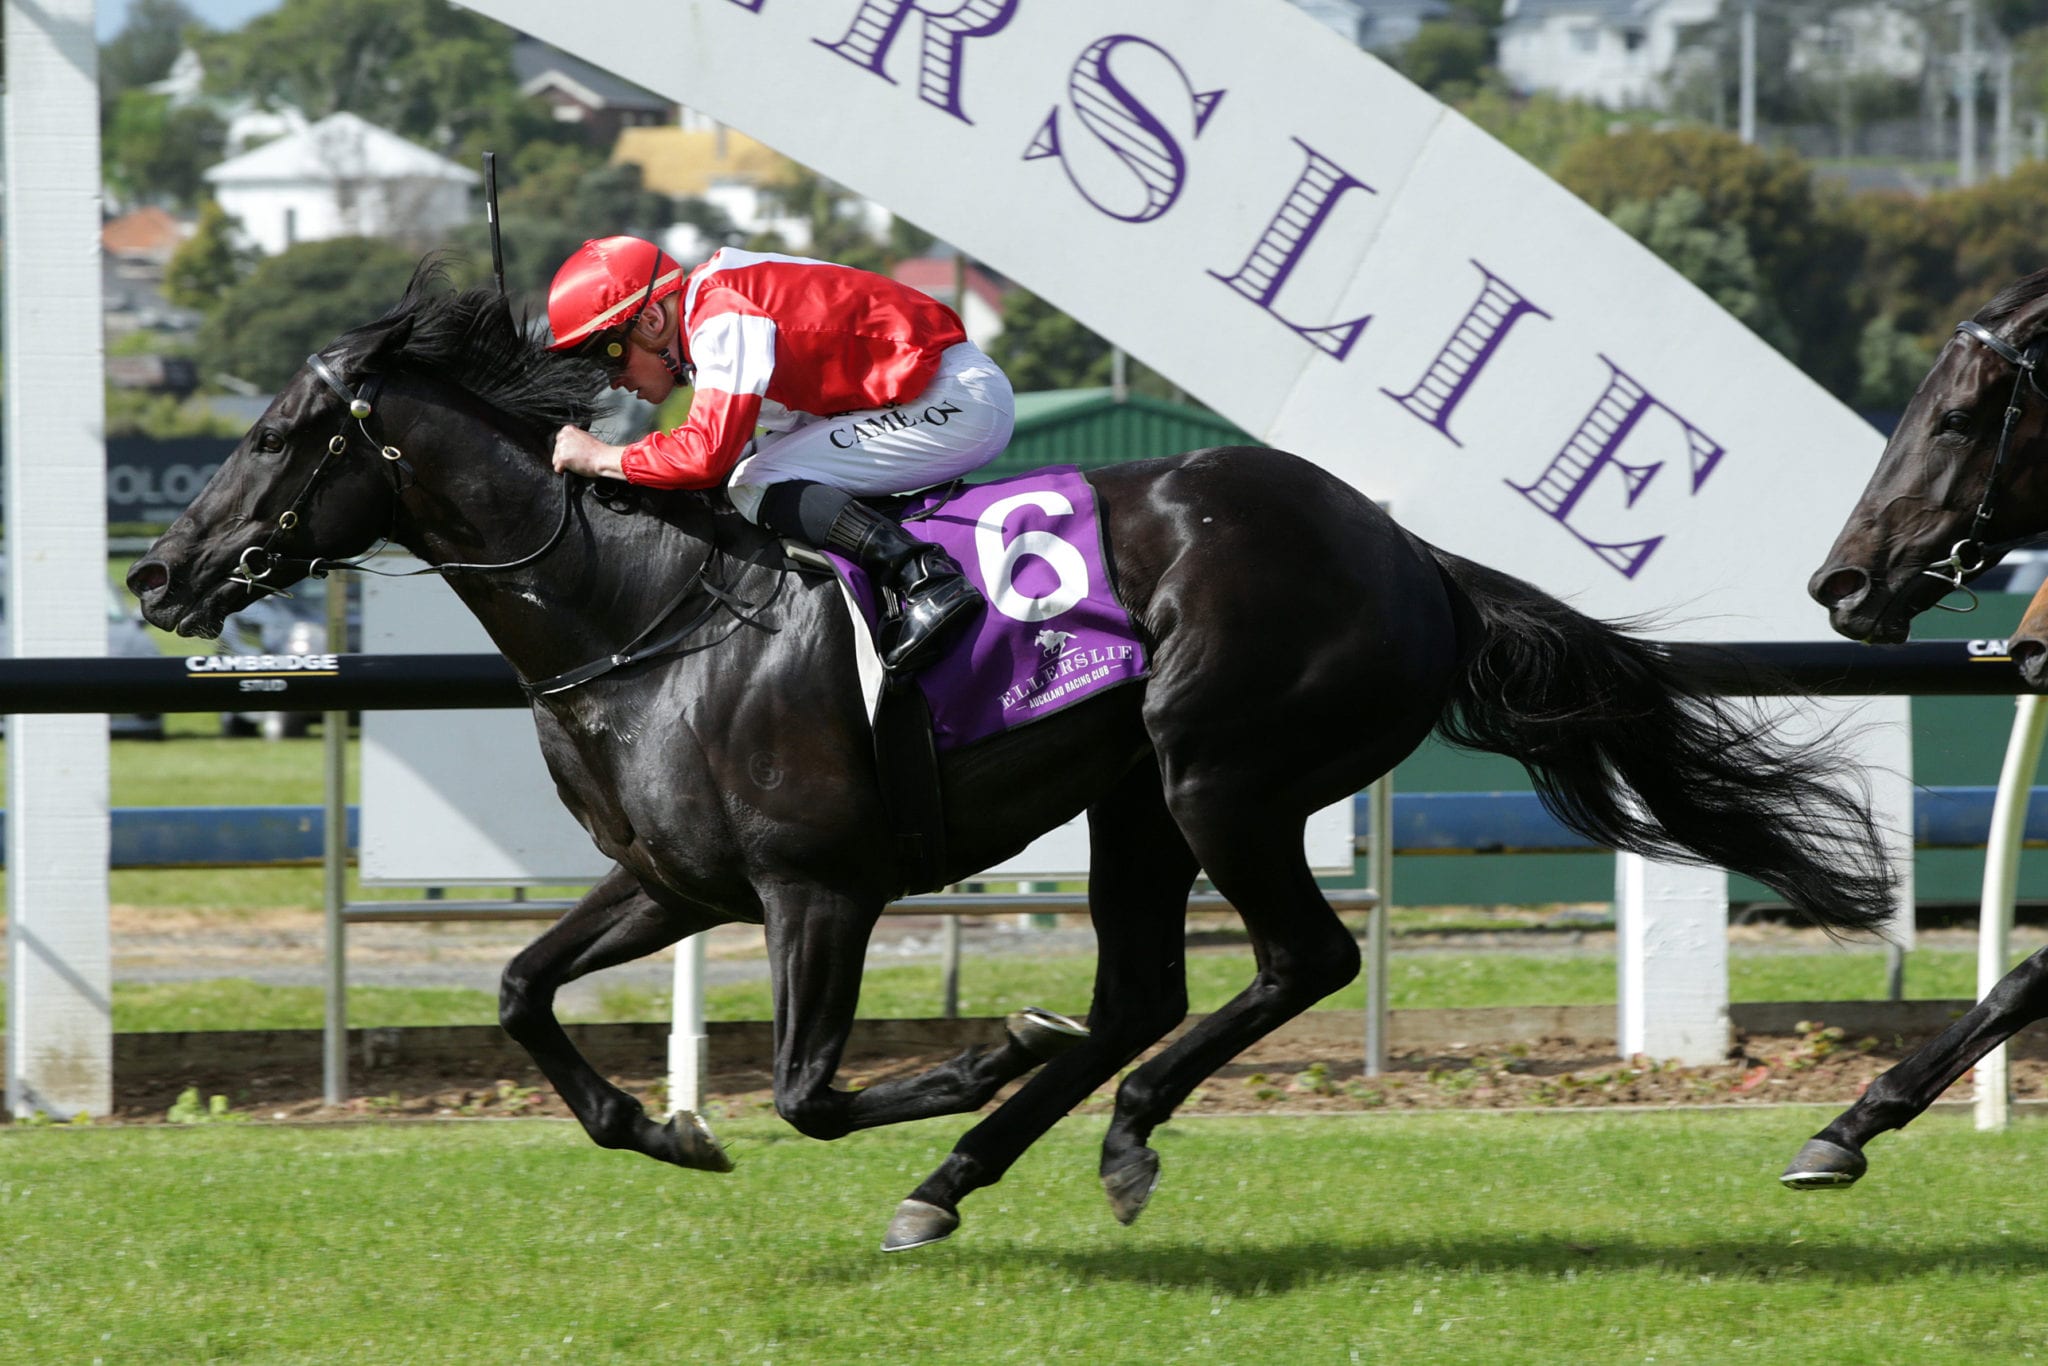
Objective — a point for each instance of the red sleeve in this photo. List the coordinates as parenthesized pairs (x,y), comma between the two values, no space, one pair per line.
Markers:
(733,347)
(701,452)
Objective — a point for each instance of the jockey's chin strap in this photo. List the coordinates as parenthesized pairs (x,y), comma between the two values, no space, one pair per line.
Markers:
(1970,554)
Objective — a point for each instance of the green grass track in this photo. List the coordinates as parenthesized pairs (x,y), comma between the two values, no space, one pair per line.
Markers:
(1429,1238)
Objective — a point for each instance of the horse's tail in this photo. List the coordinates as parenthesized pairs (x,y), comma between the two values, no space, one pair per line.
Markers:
(1630,752)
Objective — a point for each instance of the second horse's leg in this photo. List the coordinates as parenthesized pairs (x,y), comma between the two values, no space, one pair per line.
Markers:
(1834,1156)
(616,922)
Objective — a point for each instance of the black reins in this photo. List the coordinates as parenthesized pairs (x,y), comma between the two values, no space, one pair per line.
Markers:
(258,562)
(361,405)
(1969,555)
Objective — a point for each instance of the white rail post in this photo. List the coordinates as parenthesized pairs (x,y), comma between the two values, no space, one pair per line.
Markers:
(2001,883)
(1671,933)
(60,1040)
(686,1040)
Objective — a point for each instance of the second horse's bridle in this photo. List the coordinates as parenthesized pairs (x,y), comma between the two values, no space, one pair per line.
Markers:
(1968,555)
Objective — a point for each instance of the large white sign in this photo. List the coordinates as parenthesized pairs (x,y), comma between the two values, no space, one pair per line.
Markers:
(1319,250)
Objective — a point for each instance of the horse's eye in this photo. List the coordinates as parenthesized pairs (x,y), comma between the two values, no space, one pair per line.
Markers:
(270,443)
(1956,420)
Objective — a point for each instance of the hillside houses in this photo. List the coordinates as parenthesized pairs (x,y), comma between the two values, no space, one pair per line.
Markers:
(342,176)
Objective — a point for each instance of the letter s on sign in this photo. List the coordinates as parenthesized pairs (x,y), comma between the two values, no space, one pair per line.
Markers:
(999,560)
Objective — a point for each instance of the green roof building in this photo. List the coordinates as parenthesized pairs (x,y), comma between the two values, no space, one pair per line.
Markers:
(1093,427)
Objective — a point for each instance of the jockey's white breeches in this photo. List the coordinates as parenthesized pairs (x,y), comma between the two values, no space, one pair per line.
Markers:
(958,424)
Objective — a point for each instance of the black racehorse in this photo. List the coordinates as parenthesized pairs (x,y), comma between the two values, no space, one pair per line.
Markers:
(1300,643)
(1963,479)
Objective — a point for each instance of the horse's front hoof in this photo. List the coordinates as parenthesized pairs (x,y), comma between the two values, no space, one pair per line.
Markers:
(686,1140)
(1822,1165)
(1044,1034)
(918,1222)
(1130,1184)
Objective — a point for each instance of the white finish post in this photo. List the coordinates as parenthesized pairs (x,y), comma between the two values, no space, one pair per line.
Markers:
(1671,925)
(2001,879)
(686,1040)
(59,1021)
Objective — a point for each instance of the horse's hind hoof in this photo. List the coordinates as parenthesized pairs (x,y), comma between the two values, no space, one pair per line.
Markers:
(1130,1184)
(1822,1165)
(918,1222)
(1044,1034)
(686,1140)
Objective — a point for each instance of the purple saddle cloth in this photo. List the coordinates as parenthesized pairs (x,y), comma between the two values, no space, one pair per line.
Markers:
(1053,634)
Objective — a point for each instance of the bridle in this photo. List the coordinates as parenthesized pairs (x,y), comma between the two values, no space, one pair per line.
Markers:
(259,562)
(1969,555)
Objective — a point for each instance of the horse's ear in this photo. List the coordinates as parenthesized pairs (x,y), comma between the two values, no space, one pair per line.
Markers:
(389,339)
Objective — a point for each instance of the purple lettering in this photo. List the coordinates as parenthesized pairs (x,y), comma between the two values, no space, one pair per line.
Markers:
(1450,376)
(1280,248)
(1591,451)
(751,6)
(946,32)
(1109,109)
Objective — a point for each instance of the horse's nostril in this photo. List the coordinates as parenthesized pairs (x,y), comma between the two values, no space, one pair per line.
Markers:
(2030,656)
(1840,586)
(146,576)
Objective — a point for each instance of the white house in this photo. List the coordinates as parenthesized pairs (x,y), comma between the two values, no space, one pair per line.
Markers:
(1613,52)
(342,177)
(1384,26)
(1862,40)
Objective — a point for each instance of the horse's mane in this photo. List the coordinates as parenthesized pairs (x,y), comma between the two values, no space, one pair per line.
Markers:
(470,338)
(2014,297)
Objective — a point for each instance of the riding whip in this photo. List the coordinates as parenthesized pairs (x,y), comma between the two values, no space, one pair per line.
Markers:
(491,217)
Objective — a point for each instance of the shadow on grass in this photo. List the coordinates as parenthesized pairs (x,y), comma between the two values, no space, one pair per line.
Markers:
(1282,1268)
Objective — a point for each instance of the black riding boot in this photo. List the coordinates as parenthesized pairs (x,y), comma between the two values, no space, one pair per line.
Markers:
(932,596)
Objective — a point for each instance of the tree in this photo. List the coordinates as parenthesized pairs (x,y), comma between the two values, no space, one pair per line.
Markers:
(209,263)
(434,72)
(554,196)
(143,51)
(299,301)
(154,151)
(1805,247)
(1043,348)
(1449,60)
(1541,128)
(1713,255)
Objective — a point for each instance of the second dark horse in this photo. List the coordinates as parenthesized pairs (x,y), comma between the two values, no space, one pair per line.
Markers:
(1301,644)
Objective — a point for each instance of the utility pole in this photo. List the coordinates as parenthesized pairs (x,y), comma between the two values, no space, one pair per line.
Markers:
(2003,154)
(1966,95)
(1746,117)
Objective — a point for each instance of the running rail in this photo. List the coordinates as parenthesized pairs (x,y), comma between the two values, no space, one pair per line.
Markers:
(364,682)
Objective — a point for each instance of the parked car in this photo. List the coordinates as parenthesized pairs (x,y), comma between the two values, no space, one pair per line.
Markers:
(127,638)
(279,625)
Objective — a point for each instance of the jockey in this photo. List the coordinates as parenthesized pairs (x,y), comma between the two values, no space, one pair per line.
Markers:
(861,386)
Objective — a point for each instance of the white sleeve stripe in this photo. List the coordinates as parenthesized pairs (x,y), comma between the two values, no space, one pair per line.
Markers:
(734,353)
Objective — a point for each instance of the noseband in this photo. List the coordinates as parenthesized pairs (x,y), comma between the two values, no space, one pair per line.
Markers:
(258,562)
(1968,555)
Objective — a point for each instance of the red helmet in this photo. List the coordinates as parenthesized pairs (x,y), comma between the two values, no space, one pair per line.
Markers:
(604,284)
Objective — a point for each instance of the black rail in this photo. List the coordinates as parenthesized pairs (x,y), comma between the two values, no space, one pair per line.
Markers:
(344,682)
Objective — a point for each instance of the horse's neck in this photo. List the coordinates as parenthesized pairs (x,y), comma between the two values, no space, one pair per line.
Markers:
(608,578)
